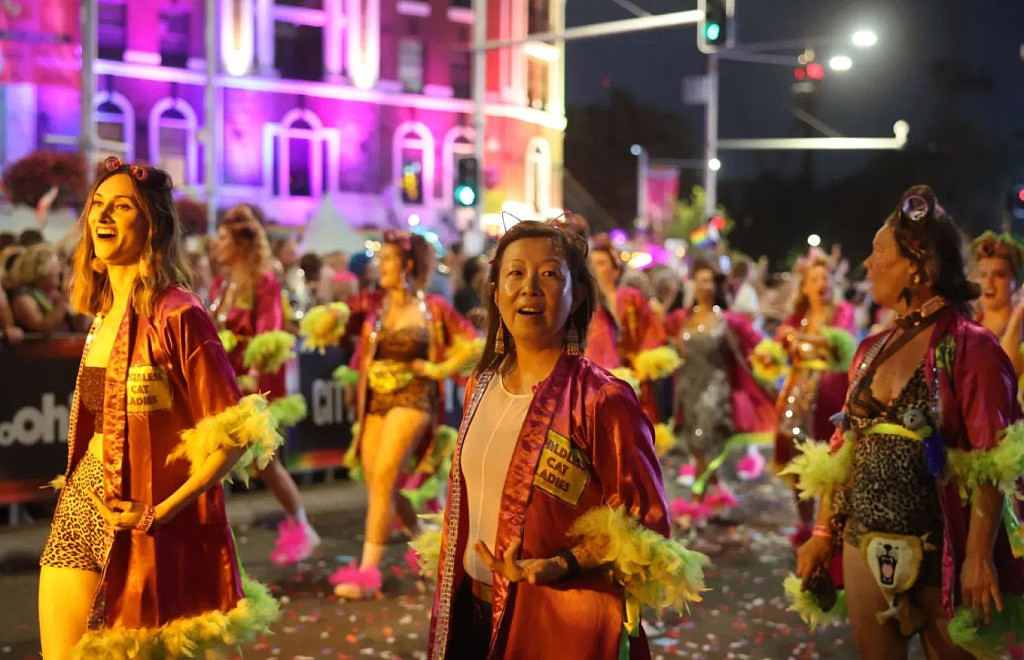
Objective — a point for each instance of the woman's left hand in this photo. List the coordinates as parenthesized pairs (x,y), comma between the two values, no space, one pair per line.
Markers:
(120,514)
(979,586)
(534,571)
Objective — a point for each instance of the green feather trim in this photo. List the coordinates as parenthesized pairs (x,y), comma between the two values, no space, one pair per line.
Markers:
(842,347)
(655,363)
(655,571)
(229,339)
(247,383)
(769,363)
(246,424)
(427,544)
(817,469)
(216,632)
(268,351)
(346,375)
(429,490)
(988,641)
(440,450)
(626,374)
(288,410)
(803,603)
(323,326)
(1001,466)
(351,458)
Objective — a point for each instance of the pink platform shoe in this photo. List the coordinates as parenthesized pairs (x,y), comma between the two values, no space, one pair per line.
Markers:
(751,466)
(295,542)
(352,583)
(687,474)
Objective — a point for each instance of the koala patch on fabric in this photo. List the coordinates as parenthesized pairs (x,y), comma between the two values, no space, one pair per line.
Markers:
(148,390)
(562,470)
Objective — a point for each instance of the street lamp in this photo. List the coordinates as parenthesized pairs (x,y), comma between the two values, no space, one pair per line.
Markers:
(714,164)
(642,164)
(864,38)
(814,240)
(840,63)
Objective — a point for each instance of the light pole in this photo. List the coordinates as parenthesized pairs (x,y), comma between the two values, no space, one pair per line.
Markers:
(756,52)
(643,163)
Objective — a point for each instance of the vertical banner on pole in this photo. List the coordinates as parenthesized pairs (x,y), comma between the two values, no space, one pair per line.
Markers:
(662,194)
(38,42)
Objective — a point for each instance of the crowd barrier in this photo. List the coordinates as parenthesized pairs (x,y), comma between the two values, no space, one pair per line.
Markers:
(38,381)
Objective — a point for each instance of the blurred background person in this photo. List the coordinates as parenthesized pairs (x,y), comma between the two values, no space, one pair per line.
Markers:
(37,301)
(467,297)
(247,302)
(998,271)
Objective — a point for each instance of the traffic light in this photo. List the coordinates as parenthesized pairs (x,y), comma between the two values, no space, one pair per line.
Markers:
(713,29)
(412,183)
(467,181)
(806,78)
(1017,203)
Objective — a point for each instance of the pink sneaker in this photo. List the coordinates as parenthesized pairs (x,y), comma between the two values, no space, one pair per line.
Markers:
(680,508)
(687,474)
(295,542)
(354,584)
(751,466)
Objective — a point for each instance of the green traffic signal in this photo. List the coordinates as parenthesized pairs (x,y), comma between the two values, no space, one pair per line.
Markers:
(465,195)
(712,31)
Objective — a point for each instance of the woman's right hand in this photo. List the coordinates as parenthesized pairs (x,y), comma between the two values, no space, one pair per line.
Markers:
(815,552)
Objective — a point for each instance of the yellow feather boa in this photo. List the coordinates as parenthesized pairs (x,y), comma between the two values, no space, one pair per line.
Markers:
(817,469)
(427,544)
(214,631)
(626,374)
(769,363)
(1001,466)
(229,339)
(803,603)
(655,363)
(268,351)
(345,375)
(288,410)
(664,438)
(462,356)
(324,325)
(655,571)
(247,424)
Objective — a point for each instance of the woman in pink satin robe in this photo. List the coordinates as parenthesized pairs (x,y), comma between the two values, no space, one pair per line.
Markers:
(549,444)
(246,300)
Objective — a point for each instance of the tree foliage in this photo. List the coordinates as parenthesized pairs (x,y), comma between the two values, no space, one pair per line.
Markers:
(27,180)
(689,216)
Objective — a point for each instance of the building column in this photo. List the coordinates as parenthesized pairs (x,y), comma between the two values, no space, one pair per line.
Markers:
(334,40)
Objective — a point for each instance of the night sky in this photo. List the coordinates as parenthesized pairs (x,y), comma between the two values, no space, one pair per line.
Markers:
(974,42)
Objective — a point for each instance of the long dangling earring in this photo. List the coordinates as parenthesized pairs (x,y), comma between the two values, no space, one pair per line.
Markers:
(905,295)
(499,338)
(572,341)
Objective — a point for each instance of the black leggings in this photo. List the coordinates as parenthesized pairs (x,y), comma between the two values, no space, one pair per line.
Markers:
(470,635)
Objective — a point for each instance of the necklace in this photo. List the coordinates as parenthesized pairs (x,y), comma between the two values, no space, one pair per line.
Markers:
(922,314)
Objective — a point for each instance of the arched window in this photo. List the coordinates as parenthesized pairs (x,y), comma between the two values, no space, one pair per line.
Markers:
(458,143)
(538,174)
(295,153)
(412,163)
(115,123)
(172,140)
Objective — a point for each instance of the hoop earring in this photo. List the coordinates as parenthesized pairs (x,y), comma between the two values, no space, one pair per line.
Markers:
(499,338)
(572,341)
(905,295)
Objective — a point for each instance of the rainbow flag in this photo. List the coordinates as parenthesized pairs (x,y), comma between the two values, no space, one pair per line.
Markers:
(703,236)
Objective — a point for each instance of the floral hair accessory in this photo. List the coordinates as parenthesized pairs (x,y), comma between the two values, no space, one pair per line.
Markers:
(914,208)
(112,163)
(1001,246)
(402,239)
(139,172)
(153,178)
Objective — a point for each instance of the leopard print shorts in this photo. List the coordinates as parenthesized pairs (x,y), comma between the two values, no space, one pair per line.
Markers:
(79,537)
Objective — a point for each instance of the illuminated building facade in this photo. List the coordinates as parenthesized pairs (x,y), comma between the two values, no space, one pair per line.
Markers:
(314,98)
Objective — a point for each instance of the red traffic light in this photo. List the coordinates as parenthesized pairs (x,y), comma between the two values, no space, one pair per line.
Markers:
(815,71)
(1020,194)
(799,73)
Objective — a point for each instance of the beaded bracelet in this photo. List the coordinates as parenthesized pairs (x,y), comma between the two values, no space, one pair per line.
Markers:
(572,564)
(146,521)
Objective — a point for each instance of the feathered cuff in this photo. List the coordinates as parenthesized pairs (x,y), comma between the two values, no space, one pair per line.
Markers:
(427,544)
(841,348)
(248,424)
(268,351)
(440,450)
(228,339)
(345,375)
(769,363)
(462,358)
(288,410)
(991,640)
(803,603)
(626,375)
(655,571)
(212,632)
(324,325)
(817,469)
(664,438)
(1001,466)
(655,363)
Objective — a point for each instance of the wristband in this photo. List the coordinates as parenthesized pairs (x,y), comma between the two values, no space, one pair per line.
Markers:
(146,521)
(822,531)
(573,565)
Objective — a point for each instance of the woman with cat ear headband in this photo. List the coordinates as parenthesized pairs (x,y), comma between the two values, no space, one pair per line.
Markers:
(919,485)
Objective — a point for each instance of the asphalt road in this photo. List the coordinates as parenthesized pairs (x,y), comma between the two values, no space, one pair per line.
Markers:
(743,615)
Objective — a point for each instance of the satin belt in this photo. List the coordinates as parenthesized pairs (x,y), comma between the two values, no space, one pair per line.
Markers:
(816,364)
(484,592)
(887,428)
